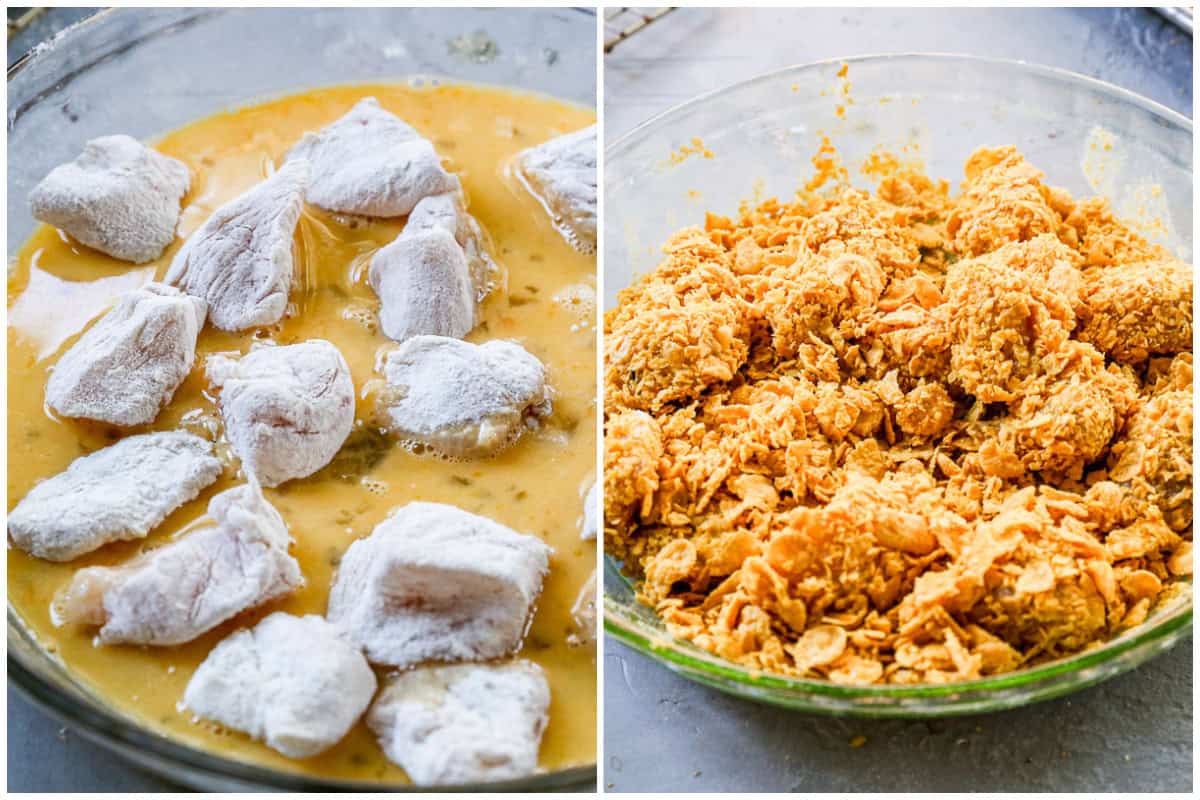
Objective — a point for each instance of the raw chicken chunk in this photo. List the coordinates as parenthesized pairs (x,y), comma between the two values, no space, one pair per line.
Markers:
(432,277)
(463,724)
(240,259)
(435,583)
(561,173)
(127,366)
(371,162)
(117,493)
(583,614)
(291,682)
(176,592)
(591,514)
(460,399)
(119,197)
(287,410)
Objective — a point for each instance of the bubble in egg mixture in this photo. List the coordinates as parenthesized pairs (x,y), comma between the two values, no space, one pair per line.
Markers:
(579,299)
(374,485)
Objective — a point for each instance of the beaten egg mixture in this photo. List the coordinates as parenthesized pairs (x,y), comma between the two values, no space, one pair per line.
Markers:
(57,287)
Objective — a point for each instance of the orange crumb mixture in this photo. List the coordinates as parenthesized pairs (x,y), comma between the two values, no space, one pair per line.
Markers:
(903,437)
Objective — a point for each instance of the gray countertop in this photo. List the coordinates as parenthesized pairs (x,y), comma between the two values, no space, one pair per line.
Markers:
(663,733)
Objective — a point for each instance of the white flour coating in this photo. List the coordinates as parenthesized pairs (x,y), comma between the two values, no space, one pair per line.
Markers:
(448,212)
(460,399)
(561,173)
(435,583)
(240,260)
(291,682)
(431,278)
(371,162)
(287,410)
(119,197)
(127,366)
(174,593)
(465,723)
(583,614)
(591,514)
(117,493)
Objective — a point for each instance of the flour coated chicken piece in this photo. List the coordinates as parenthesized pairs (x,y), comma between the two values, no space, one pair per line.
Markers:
(125,368)
(561,174)
(287,410)
(583,614)
(117,493)
(118,197)
(176,592)
(289,681)
(467,723)
(591,514)
(435,583)
(463,400)
(241,259)
(431,278)
(372,163)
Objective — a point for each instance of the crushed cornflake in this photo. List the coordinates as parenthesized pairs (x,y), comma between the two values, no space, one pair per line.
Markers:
(903,437)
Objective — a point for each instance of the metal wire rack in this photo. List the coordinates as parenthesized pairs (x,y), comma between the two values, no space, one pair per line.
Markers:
(621,23)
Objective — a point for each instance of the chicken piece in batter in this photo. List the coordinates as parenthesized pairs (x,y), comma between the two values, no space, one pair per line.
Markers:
(188,586)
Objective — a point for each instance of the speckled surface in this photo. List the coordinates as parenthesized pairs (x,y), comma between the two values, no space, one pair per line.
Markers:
(663,733)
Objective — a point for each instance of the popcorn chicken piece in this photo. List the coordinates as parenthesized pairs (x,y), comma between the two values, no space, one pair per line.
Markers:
(435,583)
(1156,455)
(119,492)
(561,174)
(822,294)
(291,682)
(1103,240)
(1065,421)
(460,724)
(118,197)
(633,445)
(287,410)
(460,399)
(680,331)
(1134,311)
(1003,200)
(241,259)
(125,368)
(1009,314)
(431,278)
(190,585)
(371,162)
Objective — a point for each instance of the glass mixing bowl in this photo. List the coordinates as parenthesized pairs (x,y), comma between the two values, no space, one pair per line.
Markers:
(1088,136)
(147,71)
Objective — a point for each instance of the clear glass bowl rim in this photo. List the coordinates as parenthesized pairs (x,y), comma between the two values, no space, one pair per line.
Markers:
(901,700)
(154,751)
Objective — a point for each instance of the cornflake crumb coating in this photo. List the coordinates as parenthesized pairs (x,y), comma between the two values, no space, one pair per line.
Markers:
(906,437)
